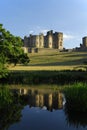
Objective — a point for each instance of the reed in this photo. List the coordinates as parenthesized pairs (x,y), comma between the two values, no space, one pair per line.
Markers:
(76,97)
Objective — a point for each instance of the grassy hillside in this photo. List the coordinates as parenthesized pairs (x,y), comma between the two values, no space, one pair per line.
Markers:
(51,59)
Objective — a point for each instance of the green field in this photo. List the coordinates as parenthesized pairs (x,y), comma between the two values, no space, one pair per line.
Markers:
(51,59)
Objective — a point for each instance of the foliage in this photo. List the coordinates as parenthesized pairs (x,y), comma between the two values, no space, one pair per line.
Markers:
(3,71)
(24,59)
(45,77)
(76,97)
(9,115)
(10,50)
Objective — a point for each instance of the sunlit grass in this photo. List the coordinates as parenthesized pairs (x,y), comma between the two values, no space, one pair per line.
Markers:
(61,58)
(42,68)
(54,60)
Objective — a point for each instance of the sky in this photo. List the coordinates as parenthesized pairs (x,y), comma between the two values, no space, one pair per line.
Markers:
(25,17)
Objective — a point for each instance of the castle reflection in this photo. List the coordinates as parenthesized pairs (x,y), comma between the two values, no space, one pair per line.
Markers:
(49,100)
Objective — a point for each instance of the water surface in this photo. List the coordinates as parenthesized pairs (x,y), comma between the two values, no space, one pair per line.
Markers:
(41,109)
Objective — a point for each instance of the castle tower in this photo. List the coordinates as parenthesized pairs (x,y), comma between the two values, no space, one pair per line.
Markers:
(84,40)
(58,40)
(26,44)
(26,41)
(41,40)
(37,41)
(50,39)
(32,39)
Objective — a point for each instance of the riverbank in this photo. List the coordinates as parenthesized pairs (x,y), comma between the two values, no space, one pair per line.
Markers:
(45,77)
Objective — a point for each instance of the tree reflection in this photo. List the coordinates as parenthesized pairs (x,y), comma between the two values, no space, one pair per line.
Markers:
(10,108)
(9,115)
(74,118)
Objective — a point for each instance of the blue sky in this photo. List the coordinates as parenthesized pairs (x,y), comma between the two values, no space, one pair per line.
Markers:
(22,17)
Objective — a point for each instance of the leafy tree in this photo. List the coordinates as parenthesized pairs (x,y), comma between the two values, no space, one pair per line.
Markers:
(10,50)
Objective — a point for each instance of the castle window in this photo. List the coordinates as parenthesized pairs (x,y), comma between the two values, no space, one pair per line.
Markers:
(60,43)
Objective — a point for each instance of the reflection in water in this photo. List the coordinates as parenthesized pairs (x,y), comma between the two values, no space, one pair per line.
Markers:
(10,113)
(76,119)
(36,98)
(49,100)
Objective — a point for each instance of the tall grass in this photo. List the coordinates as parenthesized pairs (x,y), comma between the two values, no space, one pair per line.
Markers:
(76,97)
(45,77)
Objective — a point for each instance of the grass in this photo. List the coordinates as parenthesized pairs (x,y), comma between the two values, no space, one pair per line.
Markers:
(44,68)
(76,97)
(57,58)
(18,67)
(54,60)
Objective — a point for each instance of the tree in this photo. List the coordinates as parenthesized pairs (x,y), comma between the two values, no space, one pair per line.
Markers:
(10,50)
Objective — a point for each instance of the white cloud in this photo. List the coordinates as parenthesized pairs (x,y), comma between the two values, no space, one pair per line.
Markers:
(72,41)
(44,31)
(68,36)
(31,32)
(37,30)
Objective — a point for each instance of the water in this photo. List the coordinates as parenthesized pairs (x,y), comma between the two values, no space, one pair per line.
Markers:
(40,110)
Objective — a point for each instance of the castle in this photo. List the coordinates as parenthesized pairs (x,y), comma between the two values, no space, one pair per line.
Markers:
(51,40)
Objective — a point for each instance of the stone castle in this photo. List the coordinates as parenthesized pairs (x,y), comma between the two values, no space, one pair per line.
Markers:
(51,40)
